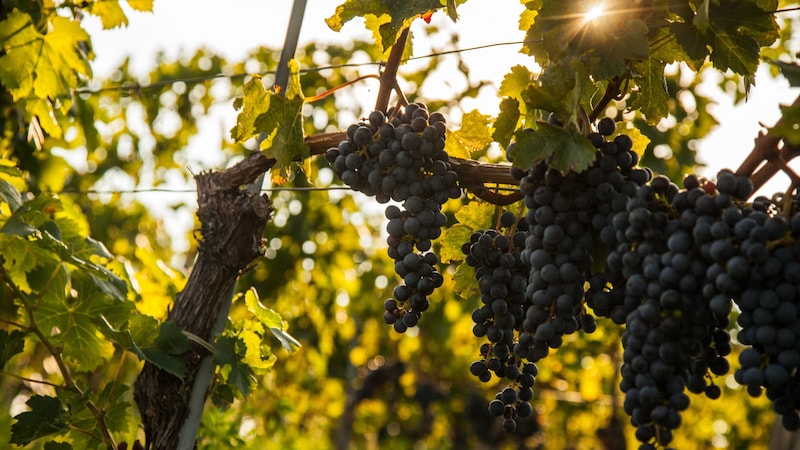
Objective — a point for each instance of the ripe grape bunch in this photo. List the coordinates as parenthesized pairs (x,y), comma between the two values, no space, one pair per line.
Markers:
(400,156)
(502,278)
(565,213)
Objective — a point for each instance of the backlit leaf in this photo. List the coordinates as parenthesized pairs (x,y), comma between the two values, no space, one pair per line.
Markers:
(474,135)
(141,5)
(515,82)
(46,417)
(267,316)
(506,121)
(230,351)
(452,239)
(400,15)
(477,215)
(11,343)
(110,13)
(652,98)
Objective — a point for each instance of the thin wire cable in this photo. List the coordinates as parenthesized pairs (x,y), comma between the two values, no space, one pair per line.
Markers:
(134,87)
(191,190)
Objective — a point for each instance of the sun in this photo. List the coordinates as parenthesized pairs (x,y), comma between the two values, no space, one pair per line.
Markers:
(593,13)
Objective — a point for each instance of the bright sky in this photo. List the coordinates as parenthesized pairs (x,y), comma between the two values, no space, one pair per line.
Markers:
(238,26)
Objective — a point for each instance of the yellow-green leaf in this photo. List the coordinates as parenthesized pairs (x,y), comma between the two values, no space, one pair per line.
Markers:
(476,215)
(452,239)
(474,135)
(141,5)
(110,13)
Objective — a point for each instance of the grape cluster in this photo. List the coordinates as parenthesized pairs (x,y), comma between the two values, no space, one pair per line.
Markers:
(400,156)
(564,213)
(670,252)
(502,278)
(769,261)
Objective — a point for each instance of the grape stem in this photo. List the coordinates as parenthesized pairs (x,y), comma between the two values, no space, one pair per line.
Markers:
(389,74)
(613,92)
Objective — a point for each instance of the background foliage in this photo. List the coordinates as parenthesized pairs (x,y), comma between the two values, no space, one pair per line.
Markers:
(89,278)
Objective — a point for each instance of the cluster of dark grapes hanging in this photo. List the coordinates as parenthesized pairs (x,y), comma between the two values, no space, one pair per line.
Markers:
(676,261)
(400,156)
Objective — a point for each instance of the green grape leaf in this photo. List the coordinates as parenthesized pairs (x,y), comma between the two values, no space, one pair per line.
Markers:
(559,89)
(22,255)
(255,102)
(451,241)
(230,351)
(506,121)
(515,82)
(477,215)
(266,316)
(11,343)
(640,141)
(613,52)
(10,195)
(464,280)
(163,352)
(734,51)
(110,13)
(159,344)
(287,340)
(474,135)
(701,20)
(790,71)
(271,321)
(53,445)
(652,99)
(46,66)
(46,417)
(567,149)
(76,317)
(691,39)
(525,153)
(277,117)
(15,227)
(789,125)
(394,16)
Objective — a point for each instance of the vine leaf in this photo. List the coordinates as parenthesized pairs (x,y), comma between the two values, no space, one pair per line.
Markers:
(476,215)
(277,116)
(387,18)
(464,280)
(11,343)
(567,149)
(452,239)
(53,445)
(161,345)
(141,5)
(474,135)
(506,121)
(10,195)
(791,71)
(652,97)
(271,320)
(46,417)
(230,351)
(110,13)
(55,58)
(515,82)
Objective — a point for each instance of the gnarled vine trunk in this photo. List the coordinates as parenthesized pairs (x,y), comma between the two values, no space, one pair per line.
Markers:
(232,222)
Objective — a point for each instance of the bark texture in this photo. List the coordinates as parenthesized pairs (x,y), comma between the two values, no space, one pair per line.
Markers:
(232,222)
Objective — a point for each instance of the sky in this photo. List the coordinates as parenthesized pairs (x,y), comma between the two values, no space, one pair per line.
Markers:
(232,30)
